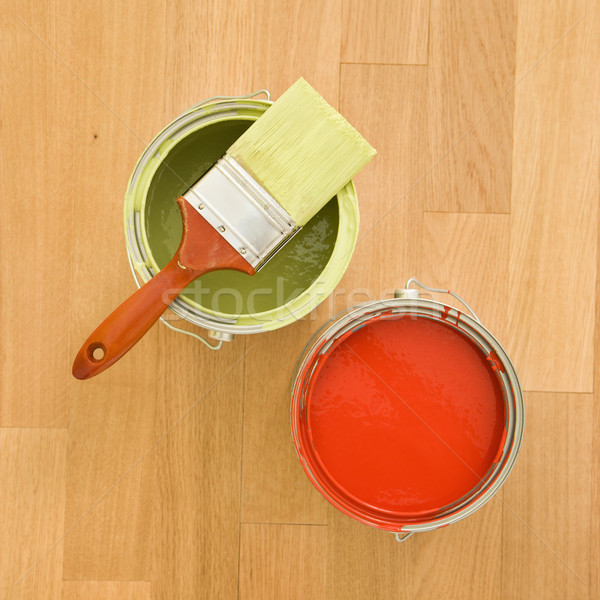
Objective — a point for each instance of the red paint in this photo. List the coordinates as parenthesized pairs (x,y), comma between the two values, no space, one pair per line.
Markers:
(446,314)
(495,362)
(405,416)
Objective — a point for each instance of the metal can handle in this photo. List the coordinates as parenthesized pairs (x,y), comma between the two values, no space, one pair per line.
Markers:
(403,536)
(442,291)
(244,97)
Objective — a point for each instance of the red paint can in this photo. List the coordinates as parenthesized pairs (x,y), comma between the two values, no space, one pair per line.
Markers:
(407,414)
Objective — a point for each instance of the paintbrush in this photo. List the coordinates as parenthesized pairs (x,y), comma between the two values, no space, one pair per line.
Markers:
(271,181)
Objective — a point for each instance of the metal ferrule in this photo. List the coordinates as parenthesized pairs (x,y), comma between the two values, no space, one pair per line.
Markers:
(242,211)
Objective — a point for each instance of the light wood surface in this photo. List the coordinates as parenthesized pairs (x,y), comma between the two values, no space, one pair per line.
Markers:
(385,31)
(106,590)
(554,219)
(301,575)
(173,475)
(470,104)
(550,557)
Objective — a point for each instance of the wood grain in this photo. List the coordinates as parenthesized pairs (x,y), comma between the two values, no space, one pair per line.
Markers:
(37,193)
(108,512)
(546,519)
(209,51)
(554,199)
(173,475)
(470,106)
(388,248)
(275,489)
(385,31)
(595,473)
(469,254)
(282,561)
(106,590)
(197,466)
(32,504)
(460,561)
(363,560)
(314,53)
(127,103)
(464,559)
(111,421)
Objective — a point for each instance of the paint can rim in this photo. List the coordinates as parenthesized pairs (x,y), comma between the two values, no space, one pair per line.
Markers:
(322,342)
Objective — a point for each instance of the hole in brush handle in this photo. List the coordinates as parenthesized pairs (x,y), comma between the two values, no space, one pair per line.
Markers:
(96,352)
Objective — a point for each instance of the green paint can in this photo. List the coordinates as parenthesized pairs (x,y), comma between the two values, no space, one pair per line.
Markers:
(226,303)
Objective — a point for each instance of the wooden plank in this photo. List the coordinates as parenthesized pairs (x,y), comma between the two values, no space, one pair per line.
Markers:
(595,517)
(106,590)
(385,31)
(546,520)
(209,51)
(198,469)
(275,488)
(554,198)
(32,503)
(470,104)
(111,425)
(112,418)
(108,513)
(36,196)
(394,121)
(127,100)
(296,38)
(468,253)
(282,561)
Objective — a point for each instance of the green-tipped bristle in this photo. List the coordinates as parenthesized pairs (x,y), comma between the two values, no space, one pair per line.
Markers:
(302,151)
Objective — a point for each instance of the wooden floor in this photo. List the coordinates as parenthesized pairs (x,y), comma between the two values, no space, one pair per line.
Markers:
(173,475)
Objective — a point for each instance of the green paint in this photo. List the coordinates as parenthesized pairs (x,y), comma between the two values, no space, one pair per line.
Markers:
(289,273)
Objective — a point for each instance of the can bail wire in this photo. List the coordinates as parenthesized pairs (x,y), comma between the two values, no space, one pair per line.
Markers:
(442,291)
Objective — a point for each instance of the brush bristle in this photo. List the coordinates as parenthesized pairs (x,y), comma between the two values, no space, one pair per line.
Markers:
(302,151)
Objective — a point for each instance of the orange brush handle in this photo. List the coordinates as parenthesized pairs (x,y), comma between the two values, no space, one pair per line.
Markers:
(201,250)
(125,326)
